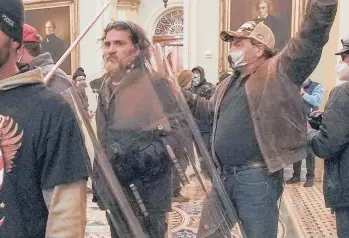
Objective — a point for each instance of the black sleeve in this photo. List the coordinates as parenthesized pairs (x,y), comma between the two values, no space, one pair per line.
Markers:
(64,152)
(210,91)
(333,136)
(60,49)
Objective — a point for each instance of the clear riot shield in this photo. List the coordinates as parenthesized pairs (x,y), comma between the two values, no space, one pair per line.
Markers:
(144,156)
(108,190)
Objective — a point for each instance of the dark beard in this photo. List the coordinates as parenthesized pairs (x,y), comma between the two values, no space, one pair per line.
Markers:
(5,53)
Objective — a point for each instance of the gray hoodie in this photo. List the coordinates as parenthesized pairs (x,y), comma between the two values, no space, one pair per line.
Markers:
(59,81)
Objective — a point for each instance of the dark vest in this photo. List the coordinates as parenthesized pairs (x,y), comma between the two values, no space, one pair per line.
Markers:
(309,89)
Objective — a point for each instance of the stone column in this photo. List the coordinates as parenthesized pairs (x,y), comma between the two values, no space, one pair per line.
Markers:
(190,31)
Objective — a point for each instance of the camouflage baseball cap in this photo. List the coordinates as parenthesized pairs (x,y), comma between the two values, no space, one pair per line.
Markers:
(251,29)
(345,43)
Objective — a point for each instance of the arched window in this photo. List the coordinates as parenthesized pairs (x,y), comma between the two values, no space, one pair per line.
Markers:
(171,23)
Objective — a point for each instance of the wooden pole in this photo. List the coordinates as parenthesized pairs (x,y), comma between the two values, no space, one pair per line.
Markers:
(77,40)
(112,181)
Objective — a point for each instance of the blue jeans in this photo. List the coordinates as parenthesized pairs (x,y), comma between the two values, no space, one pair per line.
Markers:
(342,220)
(254,193)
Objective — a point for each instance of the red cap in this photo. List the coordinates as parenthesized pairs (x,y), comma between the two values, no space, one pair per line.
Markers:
(30,34)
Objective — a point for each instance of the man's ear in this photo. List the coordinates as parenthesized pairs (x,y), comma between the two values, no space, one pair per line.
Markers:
(20,48)
(15,45)
(261,49)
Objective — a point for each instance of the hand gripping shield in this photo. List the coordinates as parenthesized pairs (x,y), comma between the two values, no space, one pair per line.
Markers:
(144,161)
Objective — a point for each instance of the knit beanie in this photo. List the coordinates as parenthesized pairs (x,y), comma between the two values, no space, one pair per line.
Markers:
(184,77)
(79,72)
(12,18)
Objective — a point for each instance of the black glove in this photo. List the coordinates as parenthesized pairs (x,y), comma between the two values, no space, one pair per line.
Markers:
(146,160)
(120,162)
(315,120)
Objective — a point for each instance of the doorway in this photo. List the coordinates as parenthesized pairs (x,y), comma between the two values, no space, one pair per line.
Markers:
(169,34)
(173,49)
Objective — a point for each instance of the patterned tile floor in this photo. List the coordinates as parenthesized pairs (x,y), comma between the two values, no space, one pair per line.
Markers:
(97,225)
(184,219)
(308,212)
(302,214)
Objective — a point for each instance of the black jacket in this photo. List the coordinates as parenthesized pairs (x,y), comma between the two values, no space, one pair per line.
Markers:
(125,117)
(203,89)
(331,143)
(53,45)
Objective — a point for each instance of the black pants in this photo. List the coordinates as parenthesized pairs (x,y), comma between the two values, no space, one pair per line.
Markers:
(310,163)
(156,226)
(176,178)
(342,220)
(176,183)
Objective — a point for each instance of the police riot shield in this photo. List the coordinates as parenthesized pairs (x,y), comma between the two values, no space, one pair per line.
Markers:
(108,193)
(150,167)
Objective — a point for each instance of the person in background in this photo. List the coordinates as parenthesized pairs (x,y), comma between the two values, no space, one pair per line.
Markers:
(79,82)
(31,53)
(204,89)
(184,79)
(200,86)
(331,143)
(312,93)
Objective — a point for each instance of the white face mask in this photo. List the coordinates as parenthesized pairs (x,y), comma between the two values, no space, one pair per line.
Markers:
(237,59)
(196,81)
(342,70)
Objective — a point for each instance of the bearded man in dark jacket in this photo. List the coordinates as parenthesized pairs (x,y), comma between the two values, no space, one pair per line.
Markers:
(133,102)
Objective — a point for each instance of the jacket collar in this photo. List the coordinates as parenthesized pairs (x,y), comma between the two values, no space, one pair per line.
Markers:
(26,78)
(42,60)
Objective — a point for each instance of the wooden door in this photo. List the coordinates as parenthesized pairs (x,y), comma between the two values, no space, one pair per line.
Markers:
(173,49)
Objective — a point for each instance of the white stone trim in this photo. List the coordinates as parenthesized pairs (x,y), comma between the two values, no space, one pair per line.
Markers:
(192,46)
(158,13)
